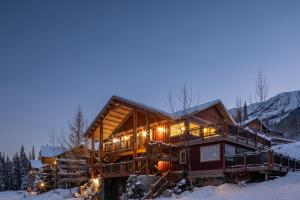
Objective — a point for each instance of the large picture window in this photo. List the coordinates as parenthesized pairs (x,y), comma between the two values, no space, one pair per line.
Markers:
(177,129)
(210,153)
(229,150)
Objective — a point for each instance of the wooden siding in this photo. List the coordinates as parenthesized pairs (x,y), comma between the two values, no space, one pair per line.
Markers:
(211,114)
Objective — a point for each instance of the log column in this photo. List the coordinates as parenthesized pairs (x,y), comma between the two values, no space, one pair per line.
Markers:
(100,149)
(147,142)
(93,153)
(134,125)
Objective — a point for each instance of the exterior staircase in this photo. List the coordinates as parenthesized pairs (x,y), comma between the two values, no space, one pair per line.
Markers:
(158,187)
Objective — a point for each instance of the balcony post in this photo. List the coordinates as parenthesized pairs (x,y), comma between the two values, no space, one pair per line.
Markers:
(134,137)
(100,150)
(147,142)
(93,154)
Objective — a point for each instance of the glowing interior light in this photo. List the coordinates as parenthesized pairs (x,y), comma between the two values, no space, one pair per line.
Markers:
(160,129)
(115,140)
(42,184)
(126,137)
(205,130)
(96,181)
(144,133)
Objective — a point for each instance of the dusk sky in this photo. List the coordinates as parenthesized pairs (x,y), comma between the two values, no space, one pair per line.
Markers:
(57,55)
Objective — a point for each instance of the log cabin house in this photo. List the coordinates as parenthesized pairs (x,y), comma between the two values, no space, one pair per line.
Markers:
(133,138)
(59,169)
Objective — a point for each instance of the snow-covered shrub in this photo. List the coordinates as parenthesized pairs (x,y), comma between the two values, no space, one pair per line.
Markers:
(180,186)
(135,188)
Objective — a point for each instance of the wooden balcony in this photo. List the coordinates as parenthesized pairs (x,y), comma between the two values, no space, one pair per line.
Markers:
(116,145)
(155,151)
(261,161)
(224,130)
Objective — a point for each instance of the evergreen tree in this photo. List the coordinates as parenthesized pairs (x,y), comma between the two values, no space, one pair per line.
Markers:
(2,172)
(16,175)
(9,175)
(24,167)
(245,114)
(33,153)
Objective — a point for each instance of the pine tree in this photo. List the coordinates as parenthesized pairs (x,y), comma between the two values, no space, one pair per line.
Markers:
(33,153)
(16,176)
(245,114)
(24,162)
(9,175)
(2,172)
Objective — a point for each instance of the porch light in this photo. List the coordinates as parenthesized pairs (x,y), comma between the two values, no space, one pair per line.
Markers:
(160,129)
(42,184)
(144,133)
(116,140)
(126,137)
(96,181)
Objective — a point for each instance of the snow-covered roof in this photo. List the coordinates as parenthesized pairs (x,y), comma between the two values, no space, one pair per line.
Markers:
(244,123)
(197,108)
(50,151)
(36,164)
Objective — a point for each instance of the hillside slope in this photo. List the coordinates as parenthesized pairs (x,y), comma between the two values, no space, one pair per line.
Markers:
(281,113)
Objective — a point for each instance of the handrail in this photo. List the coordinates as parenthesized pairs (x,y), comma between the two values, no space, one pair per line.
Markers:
(158,186)
(264,158)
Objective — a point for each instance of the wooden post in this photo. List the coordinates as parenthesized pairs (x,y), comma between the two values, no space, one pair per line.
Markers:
(147,142)
(93,154)
(100,150)
(134,137)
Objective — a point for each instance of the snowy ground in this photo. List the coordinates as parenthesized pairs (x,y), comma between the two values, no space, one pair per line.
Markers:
(283,188)
(60,194)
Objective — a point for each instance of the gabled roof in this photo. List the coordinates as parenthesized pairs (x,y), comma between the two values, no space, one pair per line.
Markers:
(201,107)
(128,104)
(36,164)
(244,123)
(50,151)
(126,110)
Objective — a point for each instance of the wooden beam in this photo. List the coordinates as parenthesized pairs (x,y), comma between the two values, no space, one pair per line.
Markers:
(123,121)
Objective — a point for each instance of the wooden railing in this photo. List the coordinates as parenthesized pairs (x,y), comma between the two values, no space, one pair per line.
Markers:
(262,159)
(225,129)
(124,168)
(159,148)
(158,187)
(124,144)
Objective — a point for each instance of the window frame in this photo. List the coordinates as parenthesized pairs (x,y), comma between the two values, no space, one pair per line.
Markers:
(183,151)
(210,146)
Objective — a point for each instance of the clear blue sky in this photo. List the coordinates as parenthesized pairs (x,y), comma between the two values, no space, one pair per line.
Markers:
(55,55)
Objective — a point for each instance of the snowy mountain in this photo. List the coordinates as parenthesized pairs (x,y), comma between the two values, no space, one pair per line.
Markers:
(281,112)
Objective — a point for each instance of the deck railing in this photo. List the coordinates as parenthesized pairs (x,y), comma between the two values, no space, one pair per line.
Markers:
(262,159)
(124,144)
(226,129)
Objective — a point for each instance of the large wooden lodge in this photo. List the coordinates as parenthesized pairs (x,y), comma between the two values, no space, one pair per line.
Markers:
(129,138)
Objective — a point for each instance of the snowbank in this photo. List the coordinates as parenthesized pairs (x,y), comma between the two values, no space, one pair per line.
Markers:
(282,188)
(292,149)
(60,194)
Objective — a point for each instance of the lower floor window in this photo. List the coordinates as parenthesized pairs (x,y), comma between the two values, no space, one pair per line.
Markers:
(182,157)
(210,153)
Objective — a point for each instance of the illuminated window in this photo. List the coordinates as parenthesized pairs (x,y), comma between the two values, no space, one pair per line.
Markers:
(177,129)
(210,153)
(182,158)
(194,129)
(209,131)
